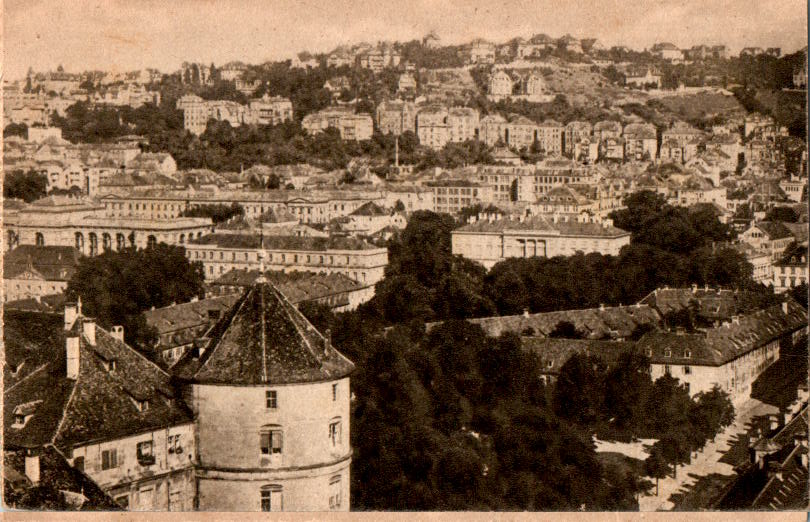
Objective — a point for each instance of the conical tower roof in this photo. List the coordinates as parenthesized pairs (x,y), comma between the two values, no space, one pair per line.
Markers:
(263,339)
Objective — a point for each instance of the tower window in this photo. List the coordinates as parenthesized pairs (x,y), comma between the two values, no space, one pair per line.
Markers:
(272,399)
(271,440)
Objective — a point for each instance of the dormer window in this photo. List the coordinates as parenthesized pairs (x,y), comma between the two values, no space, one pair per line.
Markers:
(668,353)
(687,354)
(550,364)
(142,405)
(24,412)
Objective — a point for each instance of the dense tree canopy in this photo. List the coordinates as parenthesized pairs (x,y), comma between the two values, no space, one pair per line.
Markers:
(217,213)
(115,287)
(28,186)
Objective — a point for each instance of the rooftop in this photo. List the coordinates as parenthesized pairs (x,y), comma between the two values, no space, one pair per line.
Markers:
(254,241)
(263,339)
(542,224)
(98,404)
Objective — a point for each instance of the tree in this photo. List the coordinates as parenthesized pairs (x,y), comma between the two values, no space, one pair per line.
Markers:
(16,129)
(273,182)
(566,330)
(712,411)
(577,394)
(217,213)
(785,214)
(656,465)
(116,287)
(28,186)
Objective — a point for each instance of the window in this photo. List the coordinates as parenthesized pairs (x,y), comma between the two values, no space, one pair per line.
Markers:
(668,353)
(334,492)
(335,431)
(173,444)
(687,370)
(271,498)
(272,399)
(334,392)
(145,454)
(667,369)
(109,459)
(687,354)
(271,441)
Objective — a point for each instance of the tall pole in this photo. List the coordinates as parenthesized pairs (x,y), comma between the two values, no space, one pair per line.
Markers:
(396,152)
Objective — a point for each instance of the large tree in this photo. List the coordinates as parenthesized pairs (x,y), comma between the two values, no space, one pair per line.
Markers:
(28,186)
(116,287)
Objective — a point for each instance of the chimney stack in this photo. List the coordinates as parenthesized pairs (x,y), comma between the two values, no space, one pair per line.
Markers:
(118,332)
(72,351)
(89,327)
(785,307)
(32,466)
(71,313)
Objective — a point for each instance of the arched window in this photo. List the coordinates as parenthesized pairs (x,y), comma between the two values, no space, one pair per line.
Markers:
(79,242)
(182,238)
(272,499)
(40,239)
(93,244)
(120,241)
(106,241)
(151,241)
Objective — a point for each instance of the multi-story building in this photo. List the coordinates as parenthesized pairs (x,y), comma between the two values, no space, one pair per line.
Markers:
(731,355)
(575,133)
(667,51)
(791,270)
(462,123)
(550,137)
(794,187)
(58,221)
(607,129)
(307,206)
(432,127)
(643,77)
(262,111)
(351,126)
(452,195)
(32,271)
(772,237)
(113,414)
(233,428)
(481,52)
(640,142)
(270,110)
(378,59)
(501,84)
(396,117)
(490,241)
(221,253)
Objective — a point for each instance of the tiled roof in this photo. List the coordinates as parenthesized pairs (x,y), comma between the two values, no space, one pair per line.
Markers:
(55,475)
(254,241)
(594,323)
(28,342)
(54,263)
(369,209)
(98,404)
(264,339)
(774,229)
(717,346)
(552,354)
(539,223)
(713,303)
(187,315)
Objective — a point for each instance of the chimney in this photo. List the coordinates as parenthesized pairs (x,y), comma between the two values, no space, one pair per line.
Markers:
(118,332)
(774,422)
(72,351)
(71,313)
(525,312)
(785,307)
(89,328)
(694,288)
(32,466)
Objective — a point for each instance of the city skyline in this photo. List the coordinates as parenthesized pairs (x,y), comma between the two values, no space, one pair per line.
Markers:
(146,34)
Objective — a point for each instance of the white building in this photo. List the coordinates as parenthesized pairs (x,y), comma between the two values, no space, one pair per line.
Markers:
(490,241)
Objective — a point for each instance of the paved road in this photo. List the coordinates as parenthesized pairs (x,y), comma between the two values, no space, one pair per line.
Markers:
(707,460)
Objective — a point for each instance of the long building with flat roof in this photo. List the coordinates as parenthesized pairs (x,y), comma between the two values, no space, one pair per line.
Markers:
(221,253)
(491,241)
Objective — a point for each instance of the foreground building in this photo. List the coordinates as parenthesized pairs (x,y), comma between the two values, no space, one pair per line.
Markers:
(490,241)
(270,398)
(255,417)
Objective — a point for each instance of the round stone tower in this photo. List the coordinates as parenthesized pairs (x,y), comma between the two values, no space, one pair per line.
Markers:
(270,396)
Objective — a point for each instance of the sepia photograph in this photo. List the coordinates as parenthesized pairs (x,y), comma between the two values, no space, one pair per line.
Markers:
(416,256)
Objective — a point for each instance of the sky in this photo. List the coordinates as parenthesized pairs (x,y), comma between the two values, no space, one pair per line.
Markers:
(134,34)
